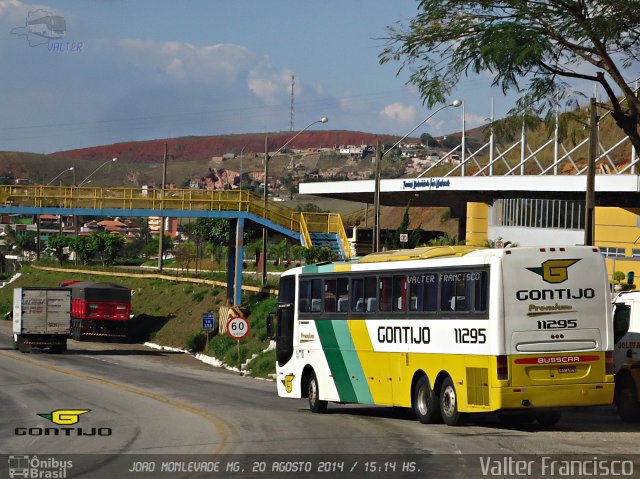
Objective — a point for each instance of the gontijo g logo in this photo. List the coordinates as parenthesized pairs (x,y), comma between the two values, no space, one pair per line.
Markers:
(63,417)
(555,270)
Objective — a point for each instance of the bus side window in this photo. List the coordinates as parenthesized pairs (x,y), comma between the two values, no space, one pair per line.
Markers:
(371,293)
(343,295)
(330,296)
(386,293)
(316,295)
(357,295)
(304,297)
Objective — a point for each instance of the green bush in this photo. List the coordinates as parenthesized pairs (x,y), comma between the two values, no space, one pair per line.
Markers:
(198,296)
(196,342)
(264,365)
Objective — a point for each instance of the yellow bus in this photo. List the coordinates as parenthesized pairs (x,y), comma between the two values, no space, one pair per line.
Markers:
(448,331)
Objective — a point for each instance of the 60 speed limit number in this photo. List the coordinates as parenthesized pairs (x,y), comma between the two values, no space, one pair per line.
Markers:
(238,328)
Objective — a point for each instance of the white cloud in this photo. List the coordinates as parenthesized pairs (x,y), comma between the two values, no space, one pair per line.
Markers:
(473,121)
(399,112)
(271,87)
(219,64)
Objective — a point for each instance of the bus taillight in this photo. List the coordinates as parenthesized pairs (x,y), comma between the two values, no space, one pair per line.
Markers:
(502,367)
(608,361)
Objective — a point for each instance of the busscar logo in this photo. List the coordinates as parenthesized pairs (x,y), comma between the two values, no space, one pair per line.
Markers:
(63,417)
(554,271)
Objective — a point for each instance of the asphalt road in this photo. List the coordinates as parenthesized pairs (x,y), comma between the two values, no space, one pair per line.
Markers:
(168,405)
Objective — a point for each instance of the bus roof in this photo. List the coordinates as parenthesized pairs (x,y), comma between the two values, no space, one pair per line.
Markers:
(425,252)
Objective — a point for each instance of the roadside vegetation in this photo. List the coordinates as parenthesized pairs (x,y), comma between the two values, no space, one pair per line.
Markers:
(171,314)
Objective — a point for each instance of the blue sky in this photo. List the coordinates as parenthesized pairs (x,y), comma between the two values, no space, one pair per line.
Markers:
(145,69)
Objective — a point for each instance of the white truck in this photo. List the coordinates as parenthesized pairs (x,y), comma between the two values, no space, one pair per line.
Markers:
(41,318)
(626,324)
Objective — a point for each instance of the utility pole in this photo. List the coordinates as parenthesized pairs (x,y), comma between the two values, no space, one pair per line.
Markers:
(590,200)
(263,260)
(164,182)
(376,200)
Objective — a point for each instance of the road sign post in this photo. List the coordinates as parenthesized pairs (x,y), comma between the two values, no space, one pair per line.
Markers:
(238,328)
(208,323)
(404,238)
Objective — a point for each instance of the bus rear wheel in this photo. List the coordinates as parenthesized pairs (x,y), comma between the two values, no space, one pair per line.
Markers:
(449,404)
(315,404)
(425,402)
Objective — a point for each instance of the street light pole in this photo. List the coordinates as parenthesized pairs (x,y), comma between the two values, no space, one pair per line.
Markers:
(61,173)
(324,119)
(379,156)
(590,199)
(164,182)
(113,160)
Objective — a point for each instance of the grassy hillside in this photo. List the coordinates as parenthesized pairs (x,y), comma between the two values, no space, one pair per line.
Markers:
(171,313)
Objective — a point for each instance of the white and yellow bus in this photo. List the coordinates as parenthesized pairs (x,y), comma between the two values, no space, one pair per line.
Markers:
(448,331)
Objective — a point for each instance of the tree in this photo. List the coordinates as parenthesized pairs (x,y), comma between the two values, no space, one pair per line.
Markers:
(83,248)
(429,141)
(107,245)
(59,247)
(530,47)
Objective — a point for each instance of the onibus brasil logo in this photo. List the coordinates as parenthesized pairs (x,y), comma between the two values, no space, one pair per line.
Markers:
(63,417)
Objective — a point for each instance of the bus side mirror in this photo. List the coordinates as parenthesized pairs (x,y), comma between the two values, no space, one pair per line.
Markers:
(271,333)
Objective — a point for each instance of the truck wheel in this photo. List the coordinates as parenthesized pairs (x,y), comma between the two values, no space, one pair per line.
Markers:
(627,399)
(449,404)
(23,346)
(425,402)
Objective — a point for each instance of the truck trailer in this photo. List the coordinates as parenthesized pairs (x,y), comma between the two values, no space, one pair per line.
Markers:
(41,318)
(99,310)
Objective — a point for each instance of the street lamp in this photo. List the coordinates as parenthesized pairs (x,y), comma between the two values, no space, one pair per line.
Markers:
(96,170)
(60,174)
(379,156)
(324,119)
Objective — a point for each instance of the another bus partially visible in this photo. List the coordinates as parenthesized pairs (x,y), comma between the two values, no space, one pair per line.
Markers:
(448,331)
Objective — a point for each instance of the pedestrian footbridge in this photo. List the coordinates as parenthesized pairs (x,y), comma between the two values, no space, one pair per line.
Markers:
(319,229)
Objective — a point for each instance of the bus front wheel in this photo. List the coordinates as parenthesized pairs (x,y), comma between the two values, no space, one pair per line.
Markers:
(315,404)
(449,404)
(425,402)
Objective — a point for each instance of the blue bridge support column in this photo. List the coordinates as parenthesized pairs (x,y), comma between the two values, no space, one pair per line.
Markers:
(234,261)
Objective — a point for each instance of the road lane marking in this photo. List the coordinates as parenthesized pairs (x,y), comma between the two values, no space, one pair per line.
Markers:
(225,430)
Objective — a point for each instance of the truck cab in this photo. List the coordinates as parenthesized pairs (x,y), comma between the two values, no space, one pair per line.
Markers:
(626,324)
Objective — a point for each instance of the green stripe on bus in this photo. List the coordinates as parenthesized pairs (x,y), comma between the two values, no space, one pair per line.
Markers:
(336,361)
(352,362)
(343,361)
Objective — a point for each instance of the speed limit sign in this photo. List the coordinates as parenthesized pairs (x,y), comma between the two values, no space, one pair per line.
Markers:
(238,328)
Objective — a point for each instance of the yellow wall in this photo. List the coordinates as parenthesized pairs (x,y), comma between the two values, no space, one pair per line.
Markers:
(614,228)
(477,223)
(618,228)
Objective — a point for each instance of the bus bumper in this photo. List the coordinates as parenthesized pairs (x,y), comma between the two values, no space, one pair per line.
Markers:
(569,395)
